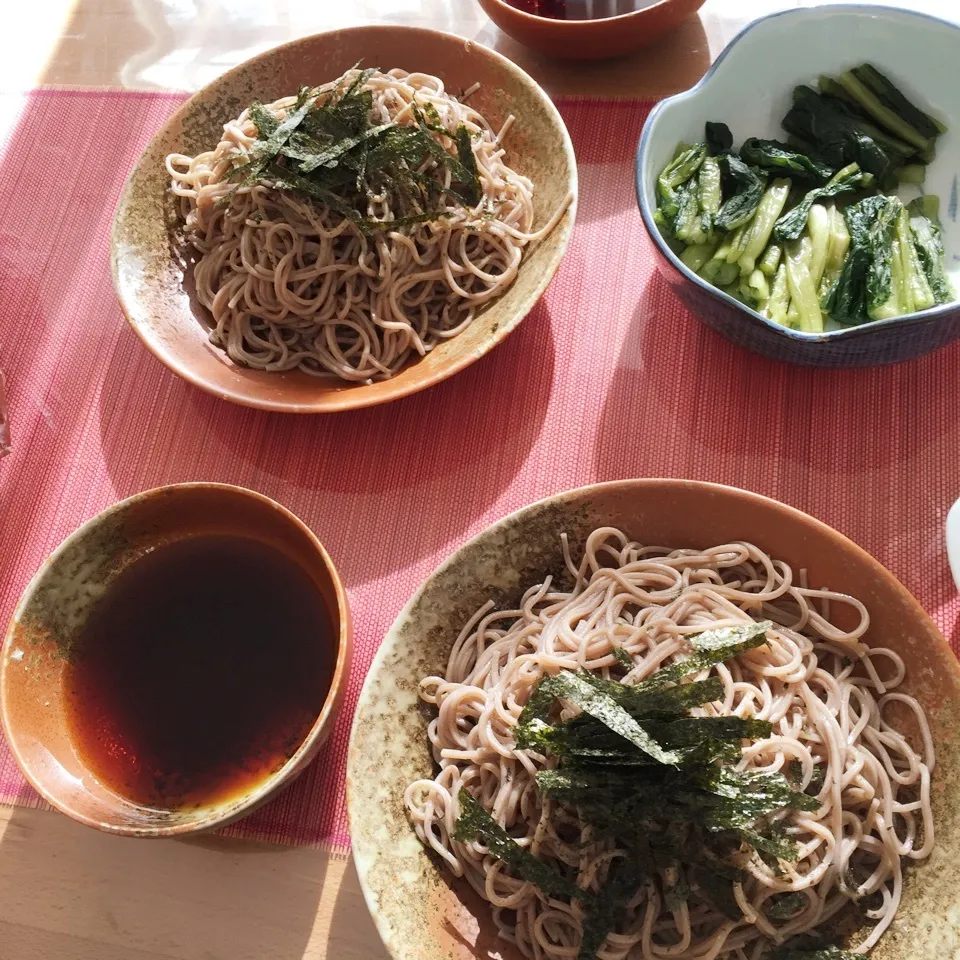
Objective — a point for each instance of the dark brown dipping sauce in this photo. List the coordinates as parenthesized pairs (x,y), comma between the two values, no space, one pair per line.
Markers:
(579,9)
(200,672)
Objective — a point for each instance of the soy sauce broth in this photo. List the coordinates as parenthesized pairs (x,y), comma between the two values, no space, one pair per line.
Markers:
(200,672)
(579,9)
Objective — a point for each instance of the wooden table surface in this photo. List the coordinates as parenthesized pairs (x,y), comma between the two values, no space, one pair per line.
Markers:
(68,892)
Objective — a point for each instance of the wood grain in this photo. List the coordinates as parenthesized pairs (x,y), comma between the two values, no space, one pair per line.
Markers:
(70,893)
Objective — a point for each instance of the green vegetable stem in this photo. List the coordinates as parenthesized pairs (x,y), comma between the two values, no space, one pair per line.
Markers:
(798,230)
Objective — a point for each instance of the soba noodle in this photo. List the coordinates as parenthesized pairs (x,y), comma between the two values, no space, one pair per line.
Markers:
(292,283)
(817,683)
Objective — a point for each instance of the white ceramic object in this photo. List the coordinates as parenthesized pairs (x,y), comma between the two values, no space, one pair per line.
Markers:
(750,89)
(953,542)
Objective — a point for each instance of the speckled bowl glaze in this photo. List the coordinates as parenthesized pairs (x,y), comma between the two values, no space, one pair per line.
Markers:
(421,913)
(749,87)
(58,600)
(149,279)
(600,39)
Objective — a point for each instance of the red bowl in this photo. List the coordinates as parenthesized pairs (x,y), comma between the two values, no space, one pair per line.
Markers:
(590,39)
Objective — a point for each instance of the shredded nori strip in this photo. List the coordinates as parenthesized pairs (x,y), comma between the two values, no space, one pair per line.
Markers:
(666,702)
(638,768)
(774,849)
(607,906)
(330,156)
(470,179)
(717,890)
(329,150)
(689,731)
(266,122)
(784,905)
(475,824)
(712,647)
(623,658)
(603,908)
(596,703)
(795,775)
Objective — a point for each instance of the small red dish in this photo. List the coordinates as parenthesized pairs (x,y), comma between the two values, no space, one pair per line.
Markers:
(553,30)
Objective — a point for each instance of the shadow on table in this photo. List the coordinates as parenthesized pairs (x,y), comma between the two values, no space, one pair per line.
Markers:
(135,35)
(352,930)
(347,931)
(674,63)
(70,892)
(680,387)
(350,476)
(605,163)
(32,293)
(861,449)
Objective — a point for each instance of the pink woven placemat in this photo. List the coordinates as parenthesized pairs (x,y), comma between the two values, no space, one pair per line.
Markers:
(608,378)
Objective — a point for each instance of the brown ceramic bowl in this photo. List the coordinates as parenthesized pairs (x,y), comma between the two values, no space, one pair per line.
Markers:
(149,281)
(57,602)
(591,39)
(420,912)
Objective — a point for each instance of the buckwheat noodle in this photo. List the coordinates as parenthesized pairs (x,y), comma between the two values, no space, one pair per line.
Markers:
(817,683)
(293,284)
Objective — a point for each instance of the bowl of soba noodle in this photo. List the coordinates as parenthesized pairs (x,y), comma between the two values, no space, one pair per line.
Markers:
(345,219)
(660,719)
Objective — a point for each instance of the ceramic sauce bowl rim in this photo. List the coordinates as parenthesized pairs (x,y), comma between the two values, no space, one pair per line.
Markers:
(641,163)
(225,811)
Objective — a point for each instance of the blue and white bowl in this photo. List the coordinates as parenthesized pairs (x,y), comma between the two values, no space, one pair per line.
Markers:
(749,88)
